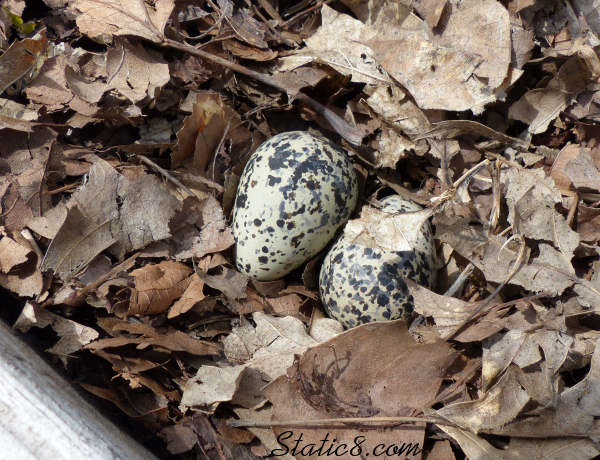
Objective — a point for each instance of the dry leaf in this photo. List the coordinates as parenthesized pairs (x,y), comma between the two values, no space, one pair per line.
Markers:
(135,72)
(104,18)
(531,196)
(346,54)
(201,131)
(72,335)
(260,354)
(12,254)
(157,286)
(574,168)
(22,60)
(445,72)
(179,438)
(539,107)
(78,241)
(214,236)
(349,376)
(192,295)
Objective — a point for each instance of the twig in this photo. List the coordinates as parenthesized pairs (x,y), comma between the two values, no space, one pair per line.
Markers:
(331,421)
(305,12)
(78,296)
(458,283)
(516,266)
(64,188)
(352,134)
(167,175)
(218,149)
(378,421)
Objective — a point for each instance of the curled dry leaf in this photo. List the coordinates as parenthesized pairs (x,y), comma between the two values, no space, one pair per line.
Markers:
(72,335)
(157,286)
(538,107)
(191,296)
(201,131)
(495,409)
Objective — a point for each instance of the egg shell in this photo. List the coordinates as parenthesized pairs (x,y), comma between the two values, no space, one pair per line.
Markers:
(360,283)
(296,191)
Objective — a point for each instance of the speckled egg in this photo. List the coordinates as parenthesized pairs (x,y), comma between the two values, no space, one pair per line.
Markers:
(296,191)
(361,278)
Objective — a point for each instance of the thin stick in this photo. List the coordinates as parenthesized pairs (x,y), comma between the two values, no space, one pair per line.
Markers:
(167,175)
(352,134)
(517,265)
(367,421)
(330,421)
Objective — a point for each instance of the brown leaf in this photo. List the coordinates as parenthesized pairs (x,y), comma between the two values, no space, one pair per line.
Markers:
(192,295)
(247,52)
(175,341)
(157,286)
(361,380)
(266,436)
(104,18)
(233,434)
(574,168)
(78,241)
(244,25)
(135,72)
(12,254)
(201,131)
(588,223)
(22,59)
(72,335)
(180,438)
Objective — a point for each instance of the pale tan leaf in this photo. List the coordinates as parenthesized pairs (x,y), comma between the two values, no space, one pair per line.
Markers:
(99,18)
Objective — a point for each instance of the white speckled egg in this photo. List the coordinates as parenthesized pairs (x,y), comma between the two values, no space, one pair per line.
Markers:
(295,192)
(361,276)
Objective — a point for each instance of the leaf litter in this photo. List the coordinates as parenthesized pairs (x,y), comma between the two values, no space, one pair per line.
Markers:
(126,126)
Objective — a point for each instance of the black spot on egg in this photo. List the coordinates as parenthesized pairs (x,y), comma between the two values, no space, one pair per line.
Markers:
(302,183)
(366,283)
